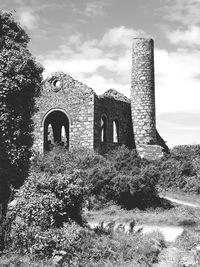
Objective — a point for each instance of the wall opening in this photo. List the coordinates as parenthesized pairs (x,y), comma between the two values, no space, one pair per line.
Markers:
(56,130)
(103,128)
(115,131)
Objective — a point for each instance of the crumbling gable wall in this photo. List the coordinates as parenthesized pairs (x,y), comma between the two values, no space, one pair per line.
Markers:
(115,108)
(62,93)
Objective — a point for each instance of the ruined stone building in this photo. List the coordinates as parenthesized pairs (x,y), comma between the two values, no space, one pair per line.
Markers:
(71,114)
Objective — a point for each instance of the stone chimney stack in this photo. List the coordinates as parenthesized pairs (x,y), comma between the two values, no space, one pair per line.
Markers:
(143,92)
(148,142)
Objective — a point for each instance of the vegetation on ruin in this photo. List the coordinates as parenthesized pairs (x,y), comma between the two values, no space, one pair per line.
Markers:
(65,189)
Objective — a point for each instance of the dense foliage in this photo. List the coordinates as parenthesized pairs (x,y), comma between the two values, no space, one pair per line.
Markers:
(73,245)
(121,177)
(19,84)
(181,169)
(44,204)
(46,221)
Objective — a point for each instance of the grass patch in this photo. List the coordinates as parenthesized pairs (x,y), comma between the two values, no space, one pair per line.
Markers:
(177,216)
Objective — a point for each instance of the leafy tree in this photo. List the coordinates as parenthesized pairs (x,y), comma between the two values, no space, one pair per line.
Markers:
(20,80)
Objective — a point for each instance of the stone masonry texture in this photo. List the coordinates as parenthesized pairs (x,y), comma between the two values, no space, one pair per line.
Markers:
(72,98)
(83,110)
(65,101)
(143,92)
(148,141)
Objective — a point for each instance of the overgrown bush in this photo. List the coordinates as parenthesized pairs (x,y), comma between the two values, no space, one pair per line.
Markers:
(126,161)
(47,219)
(44,203)
(77,246)
(180,170)
(60,160)
(122,176)
(138,190)
(187,152)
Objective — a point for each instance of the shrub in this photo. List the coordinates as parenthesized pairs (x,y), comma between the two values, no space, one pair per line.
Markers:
(186,152)
(180,170)
(138,190)
(113,249)
(44,202)
(60,160)
(77,246)
(121,177)
(126,161)
(56,161)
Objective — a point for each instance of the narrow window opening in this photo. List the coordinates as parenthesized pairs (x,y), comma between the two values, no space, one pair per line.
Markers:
(50,137)
(103,128)
(64,141)
(115,131)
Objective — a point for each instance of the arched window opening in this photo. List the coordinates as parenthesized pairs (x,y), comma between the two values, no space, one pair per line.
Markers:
(56,130)
(115,131)
(103,128)
(63,135)
(50,139)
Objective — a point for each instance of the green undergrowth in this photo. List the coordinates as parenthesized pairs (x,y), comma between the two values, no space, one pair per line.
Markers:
(48,220)
(65,189)
(87,248)
(121,176)
(180,170)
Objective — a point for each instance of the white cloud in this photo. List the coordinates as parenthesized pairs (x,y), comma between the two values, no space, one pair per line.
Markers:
(27,18)
(189,37)
(183,11)
(121,36)
(101,64)
(177,80)
(106,63)
(95,8)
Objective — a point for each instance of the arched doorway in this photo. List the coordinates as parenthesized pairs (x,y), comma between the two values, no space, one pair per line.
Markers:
(56,130)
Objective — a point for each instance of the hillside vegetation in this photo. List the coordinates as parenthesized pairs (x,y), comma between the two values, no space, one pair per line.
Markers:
(47,222)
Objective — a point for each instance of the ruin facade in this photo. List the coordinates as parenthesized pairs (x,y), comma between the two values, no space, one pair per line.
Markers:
(71,114)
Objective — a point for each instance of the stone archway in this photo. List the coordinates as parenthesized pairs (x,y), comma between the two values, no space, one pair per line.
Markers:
(56,130)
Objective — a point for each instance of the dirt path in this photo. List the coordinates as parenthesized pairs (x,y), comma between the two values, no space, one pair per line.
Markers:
(170,233)
(169,257)
(185,203)
(172,256)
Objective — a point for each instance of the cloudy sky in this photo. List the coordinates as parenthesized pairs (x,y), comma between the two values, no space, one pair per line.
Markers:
(91,40)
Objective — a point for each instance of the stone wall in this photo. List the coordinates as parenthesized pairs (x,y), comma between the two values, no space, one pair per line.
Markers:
(114,106)
(142,92)
(84,110)
(62,93)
